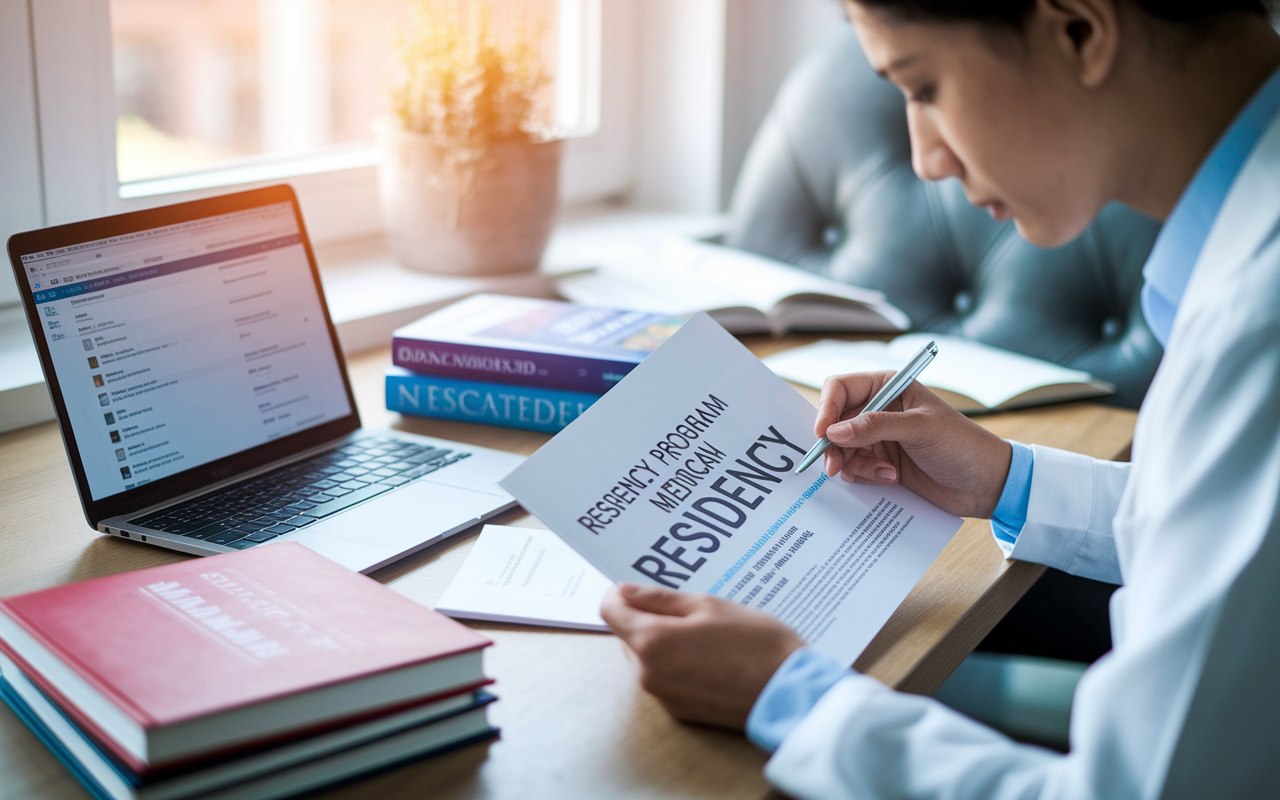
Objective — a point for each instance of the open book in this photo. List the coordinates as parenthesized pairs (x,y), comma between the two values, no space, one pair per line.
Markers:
(744,292)
(971,377)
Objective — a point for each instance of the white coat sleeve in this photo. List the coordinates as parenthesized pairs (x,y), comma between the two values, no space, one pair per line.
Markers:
(1185,705)
(1073,501)
(863,740)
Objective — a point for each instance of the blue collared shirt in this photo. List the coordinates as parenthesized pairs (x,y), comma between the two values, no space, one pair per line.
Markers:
(804,677)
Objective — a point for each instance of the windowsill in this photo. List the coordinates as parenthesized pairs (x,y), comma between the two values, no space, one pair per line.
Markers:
(370,294)
(256,171)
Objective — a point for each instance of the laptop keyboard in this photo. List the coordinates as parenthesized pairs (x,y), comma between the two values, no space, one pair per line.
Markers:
(299,495)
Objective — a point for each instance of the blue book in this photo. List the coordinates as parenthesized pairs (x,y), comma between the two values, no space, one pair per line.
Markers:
(507,405)
(527,342)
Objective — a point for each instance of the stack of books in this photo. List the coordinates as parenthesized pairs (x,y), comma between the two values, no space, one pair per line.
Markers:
(517,362)
(265,673)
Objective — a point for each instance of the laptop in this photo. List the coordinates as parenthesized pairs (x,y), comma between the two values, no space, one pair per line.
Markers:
(203,399)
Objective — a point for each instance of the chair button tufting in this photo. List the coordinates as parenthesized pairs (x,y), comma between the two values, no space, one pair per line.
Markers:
(963,302)
(1111,328)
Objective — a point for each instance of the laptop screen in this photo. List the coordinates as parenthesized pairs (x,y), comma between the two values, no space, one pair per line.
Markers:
(180,345)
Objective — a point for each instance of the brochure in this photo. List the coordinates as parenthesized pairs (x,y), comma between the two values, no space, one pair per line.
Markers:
(683,476)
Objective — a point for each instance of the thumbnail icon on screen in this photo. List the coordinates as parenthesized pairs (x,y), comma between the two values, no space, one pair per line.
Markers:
(93,362)
(115,436)
(88,344)
(98,381)
(103,400)
(110,418)
(125,473)
(119,454)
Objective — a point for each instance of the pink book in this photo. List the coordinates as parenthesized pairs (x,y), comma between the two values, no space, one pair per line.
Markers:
(208,656)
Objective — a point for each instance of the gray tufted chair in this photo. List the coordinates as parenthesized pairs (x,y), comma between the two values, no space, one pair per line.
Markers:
(827,185)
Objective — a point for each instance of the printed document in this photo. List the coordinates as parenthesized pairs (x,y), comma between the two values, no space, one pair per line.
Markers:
(526,575)
(683,476)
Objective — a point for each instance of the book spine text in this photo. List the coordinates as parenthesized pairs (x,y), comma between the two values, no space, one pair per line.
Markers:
(531,408)
(515,367)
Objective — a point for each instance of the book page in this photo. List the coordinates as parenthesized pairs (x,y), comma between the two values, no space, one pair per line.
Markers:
(988,375)
(526,575)
(682,476)
(637,278)
(685,277)
(811,364)
(761,282)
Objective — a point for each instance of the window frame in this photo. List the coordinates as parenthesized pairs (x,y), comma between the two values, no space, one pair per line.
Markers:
(22,200)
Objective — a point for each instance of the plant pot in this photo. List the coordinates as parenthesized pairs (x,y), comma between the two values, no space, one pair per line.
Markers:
(488,213)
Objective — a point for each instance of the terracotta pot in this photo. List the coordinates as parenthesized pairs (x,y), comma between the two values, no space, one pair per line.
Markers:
(489,214)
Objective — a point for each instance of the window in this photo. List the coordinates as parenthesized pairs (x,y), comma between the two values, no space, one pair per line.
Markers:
(205,86)
(148,102)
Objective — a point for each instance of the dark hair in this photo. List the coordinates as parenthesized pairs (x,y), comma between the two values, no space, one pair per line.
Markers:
(1013,12)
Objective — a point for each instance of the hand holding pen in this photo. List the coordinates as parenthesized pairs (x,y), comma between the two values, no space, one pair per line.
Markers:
(887,394)
(923,444)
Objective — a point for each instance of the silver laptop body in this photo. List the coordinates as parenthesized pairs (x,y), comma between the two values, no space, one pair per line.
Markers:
(195,371)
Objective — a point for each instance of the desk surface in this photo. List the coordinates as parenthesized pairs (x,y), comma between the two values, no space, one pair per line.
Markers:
(575,724)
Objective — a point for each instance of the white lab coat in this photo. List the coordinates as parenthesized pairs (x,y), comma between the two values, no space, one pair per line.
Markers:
(1187,705)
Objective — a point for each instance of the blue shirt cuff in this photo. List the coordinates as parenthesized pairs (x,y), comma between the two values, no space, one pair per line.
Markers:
(1011,512)
(794,689)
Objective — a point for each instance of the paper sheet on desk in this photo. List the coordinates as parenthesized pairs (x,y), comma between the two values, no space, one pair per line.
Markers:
(526,575)
(682,476)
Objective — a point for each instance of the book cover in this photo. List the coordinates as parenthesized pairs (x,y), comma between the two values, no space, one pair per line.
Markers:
(530,408)
(59,750)
(228,641)
(528,342)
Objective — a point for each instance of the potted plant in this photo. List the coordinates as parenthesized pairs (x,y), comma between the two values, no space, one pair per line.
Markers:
(469,178)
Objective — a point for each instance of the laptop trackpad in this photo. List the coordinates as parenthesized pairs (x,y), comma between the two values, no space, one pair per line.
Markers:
(395,523)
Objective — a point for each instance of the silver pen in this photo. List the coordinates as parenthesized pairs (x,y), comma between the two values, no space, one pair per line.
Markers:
(887,394)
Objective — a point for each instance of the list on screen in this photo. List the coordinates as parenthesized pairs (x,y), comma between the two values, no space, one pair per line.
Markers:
(181,345)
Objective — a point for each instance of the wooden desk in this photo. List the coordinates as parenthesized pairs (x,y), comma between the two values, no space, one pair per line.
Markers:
(575,724)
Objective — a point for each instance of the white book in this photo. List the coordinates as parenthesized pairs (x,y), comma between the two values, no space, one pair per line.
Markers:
(744,292)
(970,376)
(683,476)
(526,575)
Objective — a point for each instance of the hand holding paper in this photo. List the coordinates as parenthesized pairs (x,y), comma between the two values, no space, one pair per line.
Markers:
(706,659)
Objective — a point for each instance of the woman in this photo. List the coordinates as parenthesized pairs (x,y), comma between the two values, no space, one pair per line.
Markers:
(1047,110)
